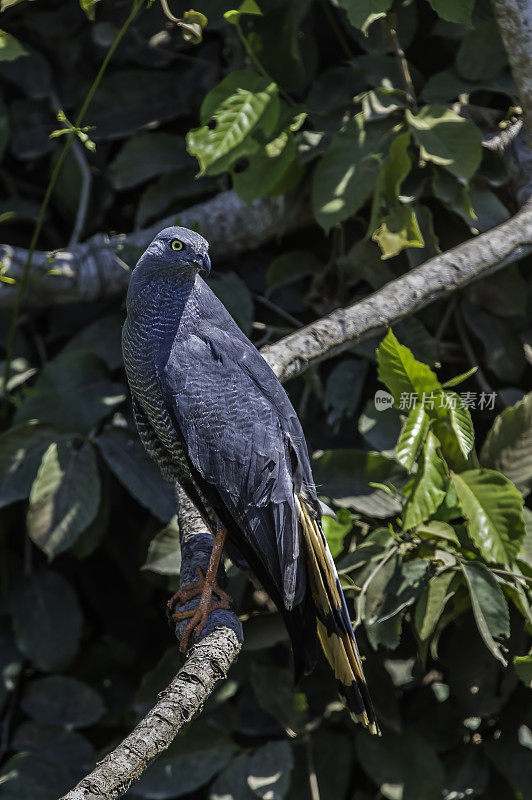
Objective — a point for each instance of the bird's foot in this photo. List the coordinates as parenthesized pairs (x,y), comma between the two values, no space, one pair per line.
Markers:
(198,617)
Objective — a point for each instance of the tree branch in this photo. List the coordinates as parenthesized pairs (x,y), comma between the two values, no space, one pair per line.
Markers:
(514,18)
(95,269)
(436,278)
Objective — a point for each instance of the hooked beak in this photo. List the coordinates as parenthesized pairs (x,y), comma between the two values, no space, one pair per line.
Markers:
(206,264)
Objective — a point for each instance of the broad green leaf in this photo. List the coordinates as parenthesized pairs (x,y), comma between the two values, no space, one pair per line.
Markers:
(503,349)
(447,139)
(132,466)
(266,168)
(102,338)
(228,135)
(72,393)
(398,230)
(29,776)
(21,450)
(458,11)
(361,13)
(164,552)
(274,689)
(146,156)
(380,429)
(68,748)
(412,436)
(508,445)
(431,603)
(523,667)
(336,529)
(290,266)
(402,373)
(64,498)
(430,485)
(236,297)
(10,48)
(493,508)
(348,173)
(232,782)
(46,620)
(406,768)
(343,390)
(439,530)
(489,606)
(61,700)
(461,422)
(269,770)
(481,55)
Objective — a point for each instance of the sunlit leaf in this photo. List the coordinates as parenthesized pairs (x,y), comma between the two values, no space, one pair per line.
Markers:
(493,508)
(508,445)
(430,485)
(412,437)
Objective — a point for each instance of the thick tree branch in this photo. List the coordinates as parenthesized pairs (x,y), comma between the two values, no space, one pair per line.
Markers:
(95,269)
(442,275)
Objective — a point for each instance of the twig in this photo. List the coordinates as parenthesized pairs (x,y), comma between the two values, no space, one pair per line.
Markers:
(403,64)
(86,181)
(265,301)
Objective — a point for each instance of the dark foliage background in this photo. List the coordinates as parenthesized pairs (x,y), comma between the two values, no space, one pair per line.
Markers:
(89,548)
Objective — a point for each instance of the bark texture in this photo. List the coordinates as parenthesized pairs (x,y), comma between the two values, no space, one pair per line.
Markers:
(514,18)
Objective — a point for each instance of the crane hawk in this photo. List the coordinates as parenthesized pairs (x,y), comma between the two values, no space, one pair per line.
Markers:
(213,416)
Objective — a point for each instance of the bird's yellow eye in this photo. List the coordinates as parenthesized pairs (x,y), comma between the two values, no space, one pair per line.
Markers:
(176,244)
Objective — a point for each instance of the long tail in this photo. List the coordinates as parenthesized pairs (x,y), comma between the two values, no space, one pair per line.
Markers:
(335,631)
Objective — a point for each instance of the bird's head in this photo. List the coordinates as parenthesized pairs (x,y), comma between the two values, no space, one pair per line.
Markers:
(178,249)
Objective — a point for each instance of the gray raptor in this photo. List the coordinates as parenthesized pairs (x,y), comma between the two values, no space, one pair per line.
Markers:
(213,416)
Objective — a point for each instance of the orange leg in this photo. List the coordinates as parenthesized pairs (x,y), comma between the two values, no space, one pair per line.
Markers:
(205,587)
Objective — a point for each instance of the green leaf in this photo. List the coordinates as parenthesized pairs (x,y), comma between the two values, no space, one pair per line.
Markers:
(266,168)
(146,156)
(398,230)
(21,450)
(66,748)
(361,13)
(290,266)
(46,620)
(343,390)
(438,530)
(253,105)
(380,429)
(493,508)
(348,173)
(447,139)
(431,603)
(461,422)
(459,378)
(10,48)
(458,11)
(489,606)
(236,297)
(402,373)
(430,485)
(59,700)
(164,552)
(64,498)
(269,771)
(247,7)
(412,436)
(29,776)
(482,56)
(72,392)
(132,466)
(396,167)
(89,7)
(523,667)
(508,445)
(336,529)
